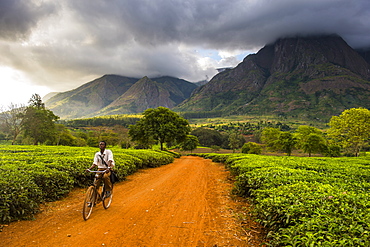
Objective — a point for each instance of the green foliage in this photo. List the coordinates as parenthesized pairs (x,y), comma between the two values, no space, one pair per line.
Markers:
(246,128)
(208,137)
(236,140)
(251,148)
(19,197)
(34,174)
(286,142)
(279,140)
(269,136)
(306,201)
(215,148)
(38,123)
(11,122)
(191,142)
(314,143)
(112,120)
(160,124)
(201,114)
(331,150)
(351,129)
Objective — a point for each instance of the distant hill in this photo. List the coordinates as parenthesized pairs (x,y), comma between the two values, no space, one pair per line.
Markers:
(315,77)
(114,94)
(147,93)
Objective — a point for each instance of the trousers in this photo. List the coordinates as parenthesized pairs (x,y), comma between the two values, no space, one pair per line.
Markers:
(106,179)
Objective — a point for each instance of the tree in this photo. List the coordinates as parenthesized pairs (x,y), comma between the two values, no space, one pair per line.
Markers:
(12,120)
(310,139)
(269,137)
(236,140)
(190,143)
(160,124)
(251,148)
(38,123)
(303,132)
(286,142)
(64,136)
(208,137)
(351,129)
(331,150)
(314,143)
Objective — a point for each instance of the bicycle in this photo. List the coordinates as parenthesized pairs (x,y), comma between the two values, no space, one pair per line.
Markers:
(93,197)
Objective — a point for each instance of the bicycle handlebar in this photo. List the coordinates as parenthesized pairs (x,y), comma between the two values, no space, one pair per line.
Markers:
(96,171)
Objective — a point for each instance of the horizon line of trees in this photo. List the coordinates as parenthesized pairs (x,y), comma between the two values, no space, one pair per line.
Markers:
(34,124)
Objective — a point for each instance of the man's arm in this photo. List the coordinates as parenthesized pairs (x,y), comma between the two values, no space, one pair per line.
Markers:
(92,166)
(94,163)
(110,159)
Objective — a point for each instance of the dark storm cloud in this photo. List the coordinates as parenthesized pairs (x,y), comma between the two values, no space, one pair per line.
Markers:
(18,17)
(67,42)
(224,24)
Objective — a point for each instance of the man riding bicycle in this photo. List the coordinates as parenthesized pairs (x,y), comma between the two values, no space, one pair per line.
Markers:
(104,161)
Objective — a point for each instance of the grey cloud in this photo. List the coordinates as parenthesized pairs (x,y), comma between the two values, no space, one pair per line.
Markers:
(18,17)
(159,37)
(221,24)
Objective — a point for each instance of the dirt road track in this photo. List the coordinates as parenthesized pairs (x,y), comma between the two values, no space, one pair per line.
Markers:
(185,203)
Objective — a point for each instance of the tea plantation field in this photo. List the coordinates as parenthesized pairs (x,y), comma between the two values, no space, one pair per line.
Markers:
(305,201)
(30,175)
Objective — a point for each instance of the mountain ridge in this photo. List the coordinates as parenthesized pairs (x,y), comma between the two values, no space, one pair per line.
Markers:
(292,76)
(313,77)
(108,95)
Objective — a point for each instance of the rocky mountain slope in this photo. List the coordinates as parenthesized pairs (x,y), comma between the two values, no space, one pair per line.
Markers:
(114,94)
(146,93)
(314,77)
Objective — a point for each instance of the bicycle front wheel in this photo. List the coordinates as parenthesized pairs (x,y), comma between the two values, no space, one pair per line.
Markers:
(107,200)
(88,202)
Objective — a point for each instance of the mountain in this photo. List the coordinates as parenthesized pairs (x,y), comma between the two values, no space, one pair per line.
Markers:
(314,77)
(114,94)
(150,93)
(90,97)
(365,53)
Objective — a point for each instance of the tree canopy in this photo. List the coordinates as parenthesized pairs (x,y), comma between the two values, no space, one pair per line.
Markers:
(160,124)
(190,143)
(351,129)
(310,139)
(38,123)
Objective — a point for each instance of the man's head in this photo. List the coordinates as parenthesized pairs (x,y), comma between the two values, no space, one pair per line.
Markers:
(102,145)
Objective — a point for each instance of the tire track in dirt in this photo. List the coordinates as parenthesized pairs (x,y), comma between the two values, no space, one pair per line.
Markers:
(184,203)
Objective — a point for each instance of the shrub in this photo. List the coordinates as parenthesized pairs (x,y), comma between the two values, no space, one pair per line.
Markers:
(19,197)
(251,148)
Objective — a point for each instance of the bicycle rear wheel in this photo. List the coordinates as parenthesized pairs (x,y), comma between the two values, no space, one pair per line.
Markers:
(88,202)
(107,200)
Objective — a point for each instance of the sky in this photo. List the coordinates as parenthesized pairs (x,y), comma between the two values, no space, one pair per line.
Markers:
(56,46)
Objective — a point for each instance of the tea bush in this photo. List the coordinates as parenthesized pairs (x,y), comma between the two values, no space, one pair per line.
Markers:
(306,201)
(19,197)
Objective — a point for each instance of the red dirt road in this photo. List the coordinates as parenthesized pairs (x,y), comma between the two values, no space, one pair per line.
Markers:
(185,203)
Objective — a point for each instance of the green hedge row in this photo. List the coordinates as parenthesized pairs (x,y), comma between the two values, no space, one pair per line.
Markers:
(306,201)
(30,175)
